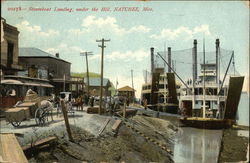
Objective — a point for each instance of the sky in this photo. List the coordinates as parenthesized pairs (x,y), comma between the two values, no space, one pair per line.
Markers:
(168,24)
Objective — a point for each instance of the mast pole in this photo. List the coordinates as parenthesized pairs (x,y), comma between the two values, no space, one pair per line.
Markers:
(194,57)
(204,102)
(217,47)
(165,74)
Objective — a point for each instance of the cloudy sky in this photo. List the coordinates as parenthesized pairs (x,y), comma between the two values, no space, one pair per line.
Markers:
(132,34)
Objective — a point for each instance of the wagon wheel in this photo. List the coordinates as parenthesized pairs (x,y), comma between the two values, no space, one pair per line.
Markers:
(16,123)
(40,117)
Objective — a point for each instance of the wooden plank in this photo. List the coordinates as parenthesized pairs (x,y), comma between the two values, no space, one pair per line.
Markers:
(10,149)
(41,142)
(104,125)
(26,104)
(13,110)
(15,133)
(233,97)
(116,125)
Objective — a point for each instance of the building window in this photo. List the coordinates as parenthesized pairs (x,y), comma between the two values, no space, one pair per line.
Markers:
(10,54)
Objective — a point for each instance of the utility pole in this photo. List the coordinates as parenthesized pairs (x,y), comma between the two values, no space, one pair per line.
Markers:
(101,91)
(116,86)
(86,55)
(64,82)
(132,84)
(65,115)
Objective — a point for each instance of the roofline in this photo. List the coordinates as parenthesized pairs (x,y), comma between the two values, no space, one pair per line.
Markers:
(208,64)
(45,57)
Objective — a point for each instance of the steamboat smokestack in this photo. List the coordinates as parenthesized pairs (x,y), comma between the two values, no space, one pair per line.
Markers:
(169,59)
(217,46)
(195,60)
(152,60)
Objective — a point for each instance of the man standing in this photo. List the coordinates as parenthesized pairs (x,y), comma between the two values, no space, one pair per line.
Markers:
(145,104)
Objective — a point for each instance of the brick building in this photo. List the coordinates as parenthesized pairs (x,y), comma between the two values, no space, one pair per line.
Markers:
(9,49)
(38,63)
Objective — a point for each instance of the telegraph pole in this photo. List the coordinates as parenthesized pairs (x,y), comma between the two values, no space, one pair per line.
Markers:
(86,55)
(101,91)
(132,84)
(64,82)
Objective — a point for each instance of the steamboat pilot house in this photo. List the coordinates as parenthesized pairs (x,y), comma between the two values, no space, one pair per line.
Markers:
(191,102)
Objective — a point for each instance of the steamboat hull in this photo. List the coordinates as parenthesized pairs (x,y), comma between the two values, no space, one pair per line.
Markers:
(207,123)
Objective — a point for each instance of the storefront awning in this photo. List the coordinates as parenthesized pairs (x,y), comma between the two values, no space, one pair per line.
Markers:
(26,83)
(32,84)
(47,85)
(39,85)
(12,82)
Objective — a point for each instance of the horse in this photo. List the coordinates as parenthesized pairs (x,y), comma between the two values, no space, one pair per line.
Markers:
(79,103)
(49,107)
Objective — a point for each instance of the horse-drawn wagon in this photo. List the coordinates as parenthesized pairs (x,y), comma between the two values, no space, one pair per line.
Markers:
(32,107)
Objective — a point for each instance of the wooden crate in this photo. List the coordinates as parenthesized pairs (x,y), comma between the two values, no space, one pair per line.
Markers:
(17,114)
(32,107)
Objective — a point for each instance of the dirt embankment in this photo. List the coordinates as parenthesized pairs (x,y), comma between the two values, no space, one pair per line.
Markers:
(233,147)
(127,145)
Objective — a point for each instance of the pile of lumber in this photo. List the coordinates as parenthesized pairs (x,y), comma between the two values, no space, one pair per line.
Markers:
(129,112)
(94,110)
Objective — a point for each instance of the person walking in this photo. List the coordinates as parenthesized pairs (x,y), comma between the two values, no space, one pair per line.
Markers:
(145,104)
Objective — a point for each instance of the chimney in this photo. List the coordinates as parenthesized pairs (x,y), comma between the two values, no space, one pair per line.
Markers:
(152,60)
(57,55)
(195,61)
(169,59)
(217,45)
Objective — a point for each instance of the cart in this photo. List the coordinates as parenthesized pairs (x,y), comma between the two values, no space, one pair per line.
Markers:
(30,108)
(67,97)
(26,111)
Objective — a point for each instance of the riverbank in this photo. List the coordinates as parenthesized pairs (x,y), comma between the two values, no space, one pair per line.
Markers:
(234,145)
(137,140)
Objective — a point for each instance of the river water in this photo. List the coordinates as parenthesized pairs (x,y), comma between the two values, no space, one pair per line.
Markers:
(202,146)
(197,145)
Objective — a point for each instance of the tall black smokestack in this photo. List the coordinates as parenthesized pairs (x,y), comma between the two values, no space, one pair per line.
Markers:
(217,46)
(195,60)
(169,59)
(152,60)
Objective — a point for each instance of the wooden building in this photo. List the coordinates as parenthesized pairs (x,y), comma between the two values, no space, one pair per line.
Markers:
(77,86)
(127,92)
(94,86)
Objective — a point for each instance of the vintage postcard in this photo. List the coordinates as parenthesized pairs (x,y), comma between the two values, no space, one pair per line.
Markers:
(134,81)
